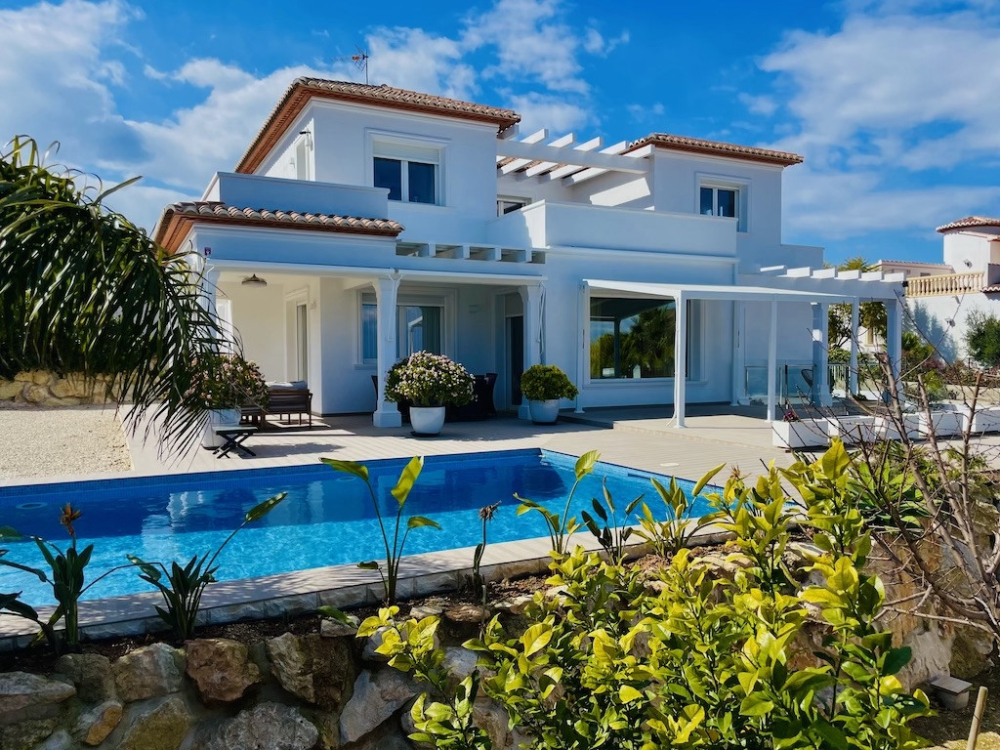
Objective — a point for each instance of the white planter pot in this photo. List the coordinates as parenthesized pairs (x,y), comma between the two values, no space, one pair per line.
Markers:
(805,433)
(986,419)
(219,418)
(544,412)
(911,424)
(427,420)
(852,430)
(945,421)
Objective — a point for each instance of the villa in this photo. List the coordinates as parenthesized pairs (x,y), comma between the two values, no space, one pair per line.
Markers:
(942,297)
(367,222)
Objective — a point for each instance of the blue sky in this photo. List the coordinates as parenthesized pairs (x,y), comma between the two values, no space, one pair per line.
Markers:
(895,104)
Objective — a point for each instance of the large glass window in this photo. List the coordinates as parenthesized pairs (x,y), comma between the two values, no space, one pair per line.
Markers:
(418,328)
(422,182)
(719,202)
(632,338)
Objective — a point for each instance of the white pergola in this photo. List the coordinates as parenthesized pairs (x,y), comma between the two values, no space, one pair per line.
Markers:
(820,301)
(547,157)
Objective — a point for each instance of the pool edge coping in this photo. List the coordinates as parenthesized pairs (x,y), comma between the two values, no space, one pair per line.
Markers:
(351,588)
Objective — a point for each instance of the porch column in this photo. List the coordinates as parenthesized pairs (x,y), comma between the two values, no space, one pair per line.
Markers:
(209,282)
(737,368)
(680,361)
(821,355)
(852,373)
(772,362)
(894,339)
(531,297)
(386,291)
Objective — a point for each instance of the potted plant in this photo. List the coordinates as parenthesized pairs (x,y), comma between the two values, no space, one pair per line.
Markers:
(429,383)
(221,384)
(543,386)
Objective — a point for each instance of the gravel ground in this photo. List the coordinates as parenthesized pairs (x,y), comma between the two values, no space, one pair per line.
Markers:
(52,441)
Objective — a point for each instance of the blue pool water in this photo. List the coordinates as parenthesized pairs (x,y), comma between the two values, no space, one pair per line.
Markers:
(327,518)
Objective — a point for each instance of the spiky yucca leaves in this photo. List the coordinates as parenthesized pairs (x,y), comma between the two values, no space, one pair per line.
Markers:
(84,290)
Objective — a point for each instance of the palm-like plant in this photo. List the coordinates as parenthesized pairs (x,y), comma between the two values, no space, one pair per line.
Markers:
(85,290)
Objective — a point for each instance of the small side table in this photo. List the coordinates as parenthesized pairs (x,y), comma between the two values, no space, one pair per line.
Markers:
(234,438)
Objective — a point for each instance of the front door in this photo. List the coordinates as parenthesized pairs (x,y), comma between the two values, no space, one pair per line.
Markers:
(515,359)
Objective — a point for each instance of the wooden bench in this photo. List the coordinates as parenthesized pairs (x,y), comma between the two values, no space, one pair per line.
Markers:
(281,402)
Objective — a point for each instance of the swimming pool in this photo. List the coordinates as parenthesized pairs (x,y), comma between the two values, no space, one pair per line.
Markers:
(327,518)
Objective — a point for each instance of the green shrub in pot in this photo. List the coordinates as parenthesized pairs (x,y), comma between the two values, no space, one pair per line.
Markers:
(543,386)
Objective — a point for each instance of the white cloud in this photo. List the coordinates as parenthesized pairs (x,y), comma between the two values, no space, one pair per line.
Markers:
(645,112)
(555,113)
(63,65)
(56,75)
(902,88)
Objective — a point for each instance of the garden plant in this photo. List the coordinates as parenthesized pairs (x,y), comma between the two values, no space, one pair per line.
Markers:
(393,542)
(622,658)
(546,382)
(183,588)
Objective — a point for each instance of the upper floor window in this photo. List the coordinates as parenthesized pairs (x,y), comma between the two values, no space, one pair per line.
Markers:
(410,173)
(724,200)
(507,204)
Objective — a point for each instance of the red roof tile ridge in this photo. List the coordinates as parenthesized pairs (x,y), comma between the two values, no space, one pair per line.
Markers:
(703,145)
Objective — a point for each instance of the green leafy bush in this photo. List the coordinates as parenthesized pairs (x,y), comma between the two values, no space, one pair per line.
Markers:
(982,337)
(545,382)
(425,379)
(689,660)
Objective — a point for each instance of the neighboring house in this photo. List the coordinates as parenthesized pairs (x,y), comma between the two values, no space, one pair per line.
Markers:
(385,221)
(941,302)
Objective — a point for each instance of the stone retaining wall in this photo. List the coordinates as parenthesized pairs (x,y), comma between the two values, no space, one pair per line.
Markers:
(292,692)
(48,389)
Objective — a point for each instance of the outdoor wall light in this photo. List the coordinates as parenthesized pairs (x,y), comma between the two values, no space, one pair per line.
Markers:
(254,280)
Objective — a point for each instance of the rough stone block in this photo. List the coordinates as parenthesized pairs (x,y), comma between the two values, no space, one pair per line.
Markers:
(149,672)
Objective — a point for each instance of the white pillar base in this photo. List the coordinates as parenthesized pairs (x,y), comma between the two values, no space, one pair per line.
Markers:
(387,418)
(522,411)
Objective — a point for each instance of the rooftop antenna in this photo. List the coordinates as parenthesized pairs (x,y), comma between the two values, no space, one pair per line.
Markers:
(360,58)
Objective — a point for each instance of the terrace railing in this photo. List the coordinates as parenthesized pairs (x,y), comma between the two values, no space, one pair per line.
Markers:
(949,283)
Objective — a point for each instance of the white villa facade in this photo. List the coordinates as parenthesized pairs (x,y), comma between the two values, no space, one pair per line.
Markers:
(942,298)
(385,221)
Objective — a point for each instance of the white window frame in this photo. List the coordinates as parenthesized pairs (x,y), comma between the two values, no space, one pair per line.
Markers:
(405,149)
(695,345)
(447,300)
(721,182)
(302,157)
(523,201)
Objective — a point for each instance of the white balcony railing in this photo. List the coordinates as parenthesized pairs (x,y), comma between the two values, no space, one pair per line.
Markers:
(949,283)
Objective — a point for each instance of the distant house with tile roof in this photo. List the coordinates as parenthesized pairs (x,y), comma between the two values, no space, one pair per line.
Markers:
(942,297)
(372,221)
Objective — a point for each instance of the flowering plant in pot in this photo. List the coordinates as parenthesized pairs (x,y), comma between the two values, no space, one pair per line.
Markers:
(429,383)
(543,386)
(221,384)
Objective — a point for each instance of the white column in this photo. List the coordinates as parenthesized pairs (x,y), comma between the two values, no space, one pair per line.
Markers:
(386,291)
(209,282)
(583,361)
(531,296)
(734,396)
(852,375)
(680,361)
(821,355)
(772,363)
(894,339)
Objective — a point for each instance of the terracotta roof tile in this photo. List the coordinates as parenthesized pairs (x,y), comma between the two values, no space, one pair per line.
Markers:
(716,148)
(303,89)
(990,289)
(970,222)
(178,216)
